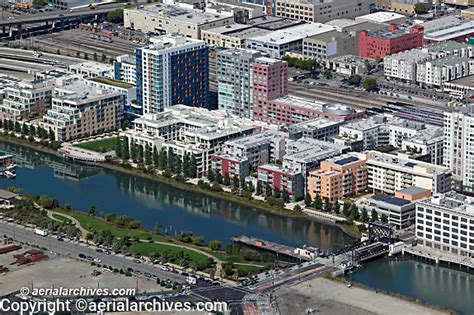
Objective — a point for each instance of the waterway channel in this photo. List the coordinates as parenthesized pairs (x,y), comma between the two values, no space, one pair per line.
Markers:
(82,185)
(149,201)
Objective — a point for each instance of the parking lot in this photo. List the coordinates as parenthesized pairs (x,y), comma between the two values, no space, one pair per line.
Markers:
(64,272)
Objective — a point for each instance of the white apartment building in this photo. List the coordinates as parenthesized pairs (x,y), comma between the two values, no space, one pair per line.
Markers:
(323,10)
(439,71)
(459,146)
(259,148)
(26,100)
(125,69)
(426,144)
(389,173)
(92,69)
(79,110)
(128,90)
(446,222)
(431,65)
(189,130)
(383,130)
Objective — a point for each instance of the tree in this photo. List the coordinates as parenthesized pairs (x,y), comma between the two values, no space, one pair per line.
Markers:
(95,56)
(370,84)
(51,135)
(297,208)
(421,8)
(226,179)
(162,159)
(17,126)
(235,182)
(140,153)
(93,211)
(374,216)
(25,129)
(118,147)
(327,205)
(228,268)
(284,195)
(198,240)
(115,16)
(215,244)
(32,130)
(354,212)
(307,200)
(147,155)
(104,58)
(336,207)
(317,202)
(192,169)
(364,216)
(125,149)
(171,161)
(155,156)
(327,74)
(384,218)
(216,187)
(346,208)
(158,228)
(355,79)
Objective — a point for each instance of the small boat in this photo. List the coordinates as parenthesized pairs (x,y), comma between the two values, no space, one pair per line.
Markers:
(10,174)
(11,167)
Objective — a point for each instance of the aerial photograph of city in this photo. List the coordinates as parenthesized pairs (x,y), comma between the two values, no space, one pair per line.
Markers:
(248,157)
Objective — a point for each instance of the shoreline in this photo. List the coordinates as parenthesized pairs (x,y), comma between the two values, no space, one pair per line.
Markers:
(259,206)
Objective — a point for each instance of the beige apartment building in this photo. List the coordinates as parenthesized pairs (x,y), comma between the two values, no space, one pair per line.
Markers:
(323,10)
(400,6)
(338,177)
(79,110)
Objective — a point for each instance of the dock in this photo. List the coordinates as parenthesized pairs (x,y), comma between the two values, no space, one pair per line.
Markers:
(282,252)
(432,254)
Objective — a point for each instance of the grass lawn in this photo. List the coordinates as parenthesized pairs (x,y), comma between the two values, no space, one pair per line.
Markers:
(146,248)
(249,269)
(101,145)
(61,218)
(98,224)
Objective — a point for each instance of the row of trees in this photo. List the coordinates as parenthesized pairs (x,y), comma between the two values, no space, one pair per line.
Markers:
(349,210)
(305,64)
(26,130)
(166,161)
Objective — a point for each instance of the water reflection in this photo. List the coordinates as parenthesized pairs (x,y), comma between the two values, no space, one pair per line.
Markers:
(82,186)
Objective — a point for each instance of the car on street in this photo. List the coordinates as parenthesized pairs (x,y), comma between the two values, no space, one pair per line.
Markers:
(164,268)
(82,256)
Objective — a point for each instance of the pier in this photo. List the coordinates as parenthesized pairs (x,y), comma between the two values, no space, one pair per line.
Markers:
(429,253)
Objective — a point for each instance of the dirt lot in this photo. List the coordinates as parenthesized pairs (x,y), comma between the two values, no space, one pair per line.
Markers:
(323,296)
(64,272)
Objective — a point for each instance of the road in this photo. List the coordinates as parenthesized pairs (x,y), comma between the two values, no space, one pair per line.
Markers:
(73,249)
(59,15)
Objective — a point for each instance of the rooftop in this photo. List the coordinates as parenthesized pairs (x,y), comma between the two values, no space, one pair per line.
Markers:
(453,202)
(171,41)
(413,190)
(407,165)
(315,124)
(307,150)
(463,29)
(466,81)
(256,138)
(181,13)
(444,46)
(381,17)
(117,83)
(391,200)
(288,35)
(441,23)
(5,194)
(386,33)
(77,91)
(449,61)
(228,29)
(273,23)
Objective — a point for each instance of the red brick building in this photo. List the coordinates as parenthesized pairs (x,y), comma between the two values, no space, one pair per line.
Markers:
(278,179)
(226,164)
(388,41)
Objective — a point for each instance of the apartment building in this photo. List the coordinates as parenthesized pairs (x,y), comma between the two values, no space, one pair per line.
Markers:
(162,18)
(445,222)
(125,69)
(26,100)
(427,145)
(278,178)
(305,154)
(458,146)
(225,164)
(91,69)
(323,10)
(273,105)
(338,177)
(458,32)
(384,42)
(320,128)
(79,110)
(259,148)
(189,131)
(172,70)
(389,173)
(234,82)
(421,65)
(383,130)
(441,70)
